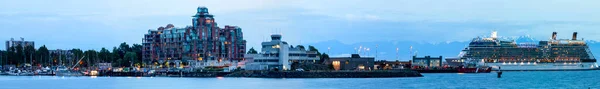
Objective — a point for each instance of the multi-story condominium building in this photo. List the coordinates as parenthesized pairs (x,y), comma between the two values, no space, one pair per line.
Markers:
(278,54)
(12,42)
(202,44)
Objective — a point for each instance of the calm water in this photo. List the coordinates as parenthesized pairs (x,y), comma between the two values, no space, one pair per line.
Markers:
(510,80)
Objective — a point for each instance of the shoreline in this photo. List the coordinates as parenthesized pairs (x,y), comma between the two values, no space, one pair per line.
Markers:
(269,74)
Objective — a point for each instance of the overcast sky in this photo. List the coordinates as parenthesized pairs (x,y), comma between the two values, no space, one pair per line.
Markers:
(93,24)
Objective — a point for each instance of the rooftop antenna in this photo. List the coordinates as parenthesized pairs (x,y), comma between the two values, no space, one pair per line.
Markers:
(359,48)
(410,53)
(328,50)
(280,32)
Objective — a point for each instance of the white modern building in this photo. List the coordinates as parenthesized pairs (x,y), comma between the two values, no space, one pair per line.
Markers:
(279,54)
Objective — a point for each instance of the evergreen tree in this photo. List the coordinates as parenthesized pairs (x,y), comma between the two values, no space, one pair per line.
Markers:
(324,57)
(29,52)
(91,57)
(104,55)
(78,54)
(130,58)
(43,56)
(116,58)
(137,48)
(19,55)
(300,47)
(252,51)
(11,55)
(312,48)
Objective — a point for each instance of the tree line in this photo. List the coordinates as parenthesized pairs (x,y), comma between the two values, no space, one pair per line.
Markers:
(123,55)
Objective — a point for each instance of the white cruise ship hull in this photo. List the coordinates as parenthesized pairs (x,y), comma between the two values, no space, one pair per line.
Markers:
(542,66)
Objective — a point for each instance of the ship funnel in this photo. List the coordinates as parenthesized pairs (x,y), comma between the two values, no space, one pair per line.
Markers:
(553,35)
(494,34)
(574,36)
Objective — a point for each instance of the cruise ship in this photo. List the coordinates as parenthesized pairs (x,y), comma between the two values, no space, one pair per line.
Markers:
(508,55)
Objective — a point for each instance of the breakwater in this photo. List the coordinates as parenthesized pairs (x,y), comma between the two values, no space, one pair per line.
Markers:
(325,74)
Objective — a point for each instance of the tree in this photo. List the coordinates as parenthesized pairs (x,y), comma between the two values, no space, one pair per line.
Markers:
(104,55)
(91,57)
(130,57)
(29,51)
(116,57)
(19,55)
(295,65)
(78,53)
(123,48)
(252,51)
(43,55)
(312,48)
(137,48)
(324,57)
(300,47)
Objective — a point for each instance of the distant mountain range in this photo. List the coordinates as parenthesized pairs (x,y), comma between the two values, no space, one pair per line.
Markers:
(386,50)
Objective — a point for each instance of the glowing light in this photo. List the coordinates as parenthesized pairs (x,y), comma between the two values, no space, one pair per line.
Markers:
(522,63)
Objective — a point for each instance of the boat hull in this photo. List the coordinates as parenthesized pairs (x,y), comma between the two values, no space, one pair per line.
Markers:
(543,66)
(475,70)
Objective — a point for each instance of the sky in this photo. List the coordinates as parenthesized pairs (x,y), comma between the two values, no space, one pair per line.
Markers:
(93,24)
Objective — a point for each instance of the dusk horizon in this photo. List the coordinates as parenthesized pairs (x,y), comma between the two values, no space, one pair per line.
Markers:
(92,26)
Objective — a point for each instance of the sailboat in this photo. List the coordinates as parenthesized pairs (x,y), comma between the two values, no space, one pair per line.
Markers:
(65,71)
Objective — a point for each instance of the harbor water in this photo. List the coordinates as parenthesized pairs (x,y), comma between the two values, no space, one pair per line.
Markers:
(509,80)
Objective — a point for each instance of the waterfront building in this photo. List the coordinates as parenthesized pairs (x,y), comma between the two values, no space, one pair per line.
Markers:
(354,62)
(248,58)
(202,44)
(12,42)
(387,65)
(427,61)
(278,54)
(104,66)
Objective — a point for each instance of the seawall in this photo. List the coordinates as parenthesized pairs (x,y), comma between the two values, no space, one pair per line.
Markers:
(325,74)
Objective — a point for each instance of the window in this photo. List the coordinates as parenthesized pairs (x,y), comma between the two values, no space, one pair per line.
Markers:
(336,65)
